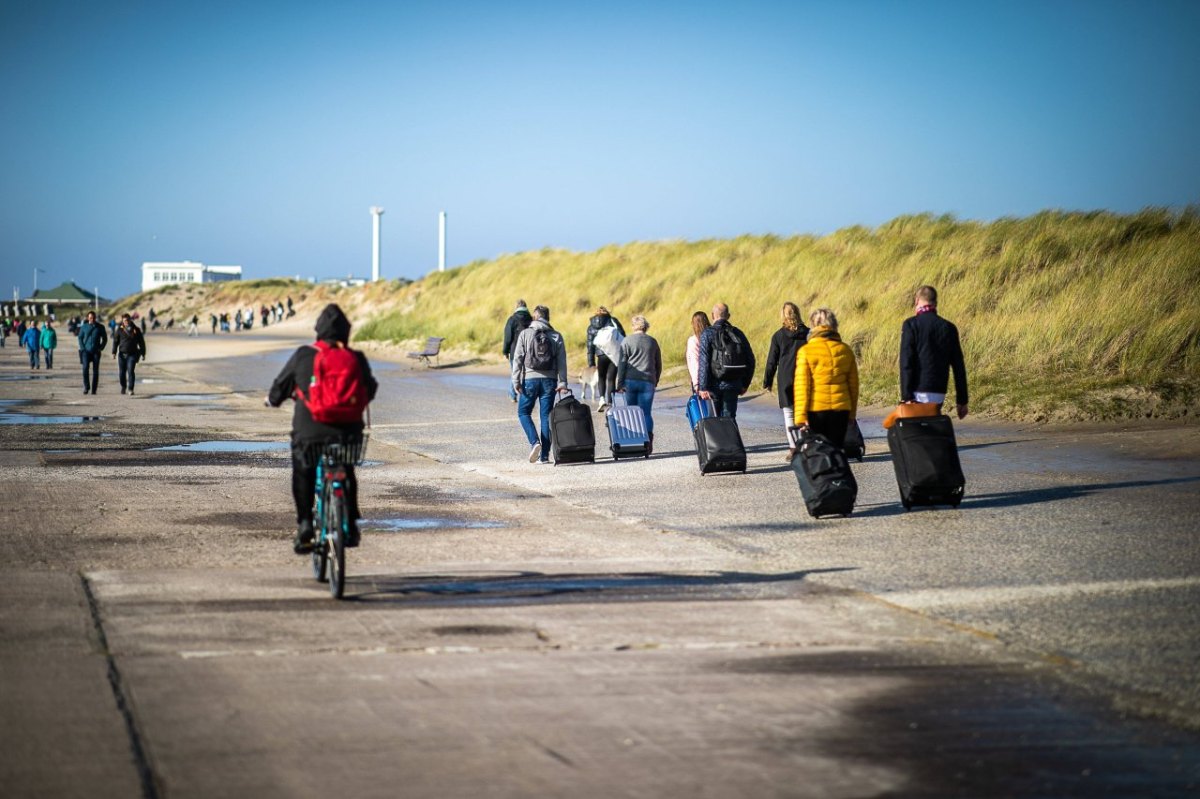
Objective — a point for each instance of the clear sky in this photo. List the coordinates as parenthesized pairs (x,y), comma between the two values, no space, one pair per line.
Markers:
(259,133)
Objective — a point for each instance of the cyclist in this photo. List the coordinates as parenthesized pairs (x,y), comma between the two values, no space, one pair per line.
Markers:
(296,381)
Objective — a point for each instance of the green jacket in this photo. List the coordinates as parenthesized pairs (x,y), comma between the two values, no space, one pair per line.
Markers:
(49,338)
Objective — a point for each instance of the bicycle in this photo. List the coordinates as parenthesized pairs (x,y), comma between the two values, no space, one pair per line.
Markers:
(332,516)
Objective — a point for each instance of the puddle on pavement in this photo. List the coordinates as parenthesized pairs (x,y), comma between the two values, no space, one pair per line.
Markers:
(189,397)
(24,377)
(226,446)
(427,523)
(61,451)
(15,417)
(93,435)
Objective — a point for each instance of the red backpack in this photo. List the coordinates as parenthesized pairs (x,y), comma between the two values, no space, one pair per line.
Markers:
(337,393)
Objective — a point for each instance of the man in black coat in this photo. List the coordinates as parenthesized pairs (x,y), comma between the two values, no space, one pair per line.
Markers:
(519,320)
(129,347)
(307,434)
(929,350)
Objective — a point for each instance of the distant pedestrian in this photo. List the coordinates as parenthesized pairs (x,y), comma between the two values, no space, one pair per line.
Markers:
(92,341)
(781,356)
(129,346)
(826,381)
(519,320)
(290,312)
(237,319)
(212,319)
(194,325)
(604,337)
(639,370)
(726,363)
(691,352)
(539,373)
(49,343)
(929,350)
(265,313)
(32,339)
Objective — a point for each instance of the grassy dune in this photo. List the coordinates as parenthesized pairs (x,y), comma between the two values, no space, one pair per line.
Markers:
(1063,315)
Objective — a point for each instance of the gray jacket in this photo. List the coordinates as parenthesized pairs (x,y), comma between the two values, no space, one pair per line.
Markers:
(641,359)
(524,341)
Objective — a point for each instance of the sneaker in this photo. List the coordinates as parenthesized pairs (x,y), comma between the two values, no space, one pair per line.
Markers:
(131,391)
(303,543)
(122,389)
(543,462)
(535,452)
(790,456)
(600,407)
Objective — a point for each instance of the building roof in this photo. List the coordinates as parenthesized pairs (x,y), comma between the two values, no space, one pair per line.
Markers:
(66,292)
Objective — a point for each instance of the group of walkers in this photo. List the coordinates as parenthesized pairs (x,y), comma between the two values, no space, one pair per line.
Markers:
(243,318)
(628,365)
(815,373)
(38,342)
(92,338)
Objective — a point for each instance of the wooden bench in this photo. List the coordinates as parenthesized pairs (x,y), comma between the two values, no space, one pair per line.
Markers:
(433,346)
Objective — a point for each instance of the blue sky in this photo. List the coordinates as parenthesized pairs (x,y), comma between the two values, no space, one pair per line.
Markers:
(260,133)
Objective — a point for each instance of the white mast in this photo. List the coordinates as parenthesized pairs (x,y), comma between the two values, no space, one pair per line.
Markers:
(442,241)
(376,215)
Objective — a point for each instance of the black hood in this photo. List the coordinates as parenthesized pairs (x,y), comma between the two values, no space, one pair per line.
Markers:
(332,325)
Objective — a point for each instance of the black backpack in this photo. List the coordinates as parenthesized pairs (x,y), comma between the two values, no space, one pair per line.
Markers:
(540,356)
(728,358)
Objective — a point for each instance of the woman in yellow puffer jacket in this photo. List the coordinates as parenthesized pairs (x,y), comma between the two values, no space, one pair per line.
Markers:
(826,385)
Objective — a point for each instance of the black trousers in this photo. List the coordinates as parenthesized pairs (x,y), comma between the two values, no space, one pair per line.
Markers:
(304,485)
(606,376)
(125,367)
(831,424)
(90,359)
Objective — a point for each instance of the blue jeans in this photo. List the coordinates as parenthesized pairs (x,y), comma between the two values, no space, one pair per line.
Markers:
(535,389)
(725,401)
(641,394)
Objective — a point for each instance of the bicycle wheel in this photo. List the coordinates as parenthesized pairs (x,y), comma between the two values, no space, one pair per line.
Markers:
(335,545)
(320,553)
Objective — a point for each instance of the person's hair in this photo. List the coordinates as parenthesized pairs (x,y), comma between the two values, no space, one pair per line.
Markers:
(639,323)
(520,303)
(791,317)
(927,295)
(699,322)
(602,311)
(89,313)
(720,311)
(823,317)
(125,316)
(541,312)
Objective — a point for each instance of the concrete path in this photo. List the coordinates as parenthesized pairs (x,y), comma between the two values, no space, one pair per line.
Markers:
(627,629)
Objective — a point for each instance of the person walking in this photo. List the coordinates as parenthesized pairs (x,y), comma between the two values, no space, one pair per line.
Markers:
(194,325)
(826,380)
(604,336)
(296,377)
(129,346)
(639,370)
(519,320)
(781,357)
(691,351)
(726,363)
(929,350)
(539,373)
(92,340)
(49,343)
(32,339)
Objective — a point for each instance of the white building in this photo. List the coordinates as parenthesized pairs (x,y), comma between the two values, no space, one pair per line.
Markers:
(169,273)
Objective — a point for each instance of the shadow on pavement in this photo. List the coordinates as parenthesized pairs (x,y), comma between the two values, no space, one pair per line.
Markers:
(540,588)
(972,729)
(1009,499)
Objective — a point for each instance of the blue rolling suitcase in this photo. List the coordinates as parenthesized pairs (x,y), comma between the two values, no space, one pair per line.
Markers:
(627,434)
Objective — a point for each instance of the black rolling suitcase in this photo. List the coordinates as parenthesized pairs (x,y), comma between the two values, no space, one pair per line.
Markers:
(572,437)
(719,445)
(854,445)
(826,482)
(925,456)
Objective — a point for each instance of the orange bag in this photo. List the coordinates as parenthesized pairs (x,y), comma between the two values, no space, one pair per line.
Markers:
(908,410)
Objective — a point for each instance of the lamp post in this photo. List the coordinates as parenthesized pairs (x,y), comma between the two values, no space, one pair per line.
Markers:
(35,274)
